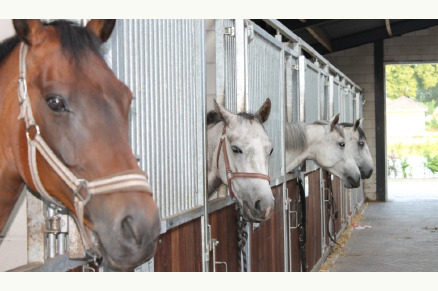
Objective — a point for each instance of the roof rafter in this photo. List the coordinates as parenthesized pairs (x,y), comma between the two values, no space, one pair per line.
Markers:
(319,35)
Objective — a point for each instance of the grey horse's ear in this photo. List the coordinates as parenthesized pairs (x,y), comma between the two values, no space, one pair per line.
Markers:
(358,123)
(224,114)
(334,121)
(264,110)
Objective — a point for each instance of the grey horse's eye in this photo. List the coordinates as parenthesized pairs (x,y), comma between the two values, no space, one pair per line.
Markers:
(342,144)
(236,150)
(271,151)
(361,143)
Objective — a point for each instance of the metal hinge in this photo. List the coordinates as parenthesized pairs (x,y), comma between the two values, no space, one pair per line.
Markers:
(229,30)
(295,67)
(250,29)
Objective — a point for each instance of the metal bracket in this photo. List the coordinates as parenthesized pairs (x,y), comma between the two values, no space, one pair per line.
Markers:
(229,30)
(250,29)
(214,243)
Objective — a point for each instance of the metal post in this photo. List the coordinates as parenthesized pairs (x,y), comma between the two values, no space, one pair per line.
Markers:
(331,94)
(323,214)
(302,84)
(51,236)
(241,70)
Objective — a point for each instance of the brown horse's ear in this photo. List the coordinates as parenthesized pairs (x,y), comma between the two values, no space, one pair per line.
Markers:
(334,121)
(224,114)
(265,110)
(357,123)
(102,28)
(31,31)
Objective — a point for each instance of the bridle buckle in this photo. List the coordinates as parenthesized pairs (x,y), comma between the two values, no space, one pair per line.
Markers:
(37,128)
(83,184)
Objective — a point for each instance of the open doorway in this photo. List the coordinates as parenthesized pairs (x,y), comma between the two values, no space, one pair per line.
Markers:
(412,130)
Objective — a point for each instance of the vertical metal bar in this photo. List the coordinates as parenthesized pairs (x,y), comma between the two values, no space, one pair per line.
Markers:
(202,78)
(302,85)
(289,89)
(323,214)
(51,237)
(61,239)
(330,97)
(241,71)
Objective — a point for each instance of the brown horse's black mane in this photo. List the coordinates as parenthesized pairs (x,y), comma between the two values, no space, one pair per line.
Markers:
(7,46)
(213,117)
(76,41)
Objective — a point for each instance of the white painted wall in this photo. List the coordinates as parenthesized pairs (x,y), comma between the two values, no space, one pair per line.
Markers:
(6,28)
(13,239)
(405,123)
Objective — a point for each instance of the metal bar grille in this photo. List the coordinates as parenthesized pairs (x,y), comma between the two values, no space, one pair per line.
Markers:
(266,79)
(163,63)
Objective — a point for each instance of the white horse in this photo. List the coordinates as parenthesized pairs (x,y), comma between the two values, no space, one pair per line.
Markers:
(324,143)
(356,144)
(238,156)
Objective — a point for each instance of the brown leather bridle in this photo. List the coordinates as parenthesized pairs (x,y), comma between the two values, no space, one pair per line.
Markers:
(230,174)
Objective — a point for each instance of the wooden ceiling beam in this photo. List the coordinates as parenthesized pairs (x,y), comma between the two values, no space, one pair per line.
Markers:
(319,35)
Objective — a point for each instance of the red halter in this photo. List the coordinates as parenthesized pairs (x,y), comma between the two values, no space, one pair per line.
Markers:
(230,174)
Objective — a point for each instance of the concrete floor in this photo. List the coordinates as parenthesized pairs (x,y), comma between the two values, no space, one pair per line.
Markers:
(403,236)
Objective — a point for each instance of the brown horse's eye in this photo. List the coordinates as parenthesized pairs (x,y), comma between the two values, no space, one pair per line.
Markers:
(57,103)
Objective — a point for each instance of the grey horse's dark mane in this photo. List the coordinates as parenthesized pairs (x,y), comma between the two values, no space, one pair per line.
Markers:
(296,138)
(337,127)
(213,117)
(359,129)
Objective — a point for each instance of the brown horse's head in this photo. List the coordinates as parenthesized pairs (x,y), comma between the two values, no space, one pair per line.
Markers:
(82,112)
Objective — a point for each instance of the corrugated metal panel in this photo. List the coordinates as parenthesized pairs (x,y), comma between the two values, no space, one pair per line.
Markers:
(324,97)
(230,79)
(311,93)
(292,86)
(266,79)
(163,62)
(336,99)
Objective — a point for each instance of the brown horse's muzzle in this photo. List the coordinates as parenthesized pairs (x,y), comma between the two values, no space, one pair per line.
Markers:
(128,235)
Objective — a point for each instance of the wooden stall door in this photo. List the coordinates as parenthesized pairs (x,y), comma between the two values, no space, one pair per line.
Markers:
(267,240)
(313,221)
(180,249)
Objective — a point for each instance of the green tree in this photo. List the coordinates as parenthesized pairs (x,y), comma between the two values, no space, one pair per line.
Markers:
(401,80)
(416,81)
(432,162)
(427,75)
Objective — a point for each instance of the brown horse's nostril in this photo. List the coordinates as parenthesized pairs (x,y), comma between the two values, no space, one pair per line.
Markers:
(129,231)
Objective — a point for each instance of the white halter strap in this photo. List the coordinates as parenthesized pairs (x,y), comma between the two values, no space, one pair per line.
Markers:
(83,190)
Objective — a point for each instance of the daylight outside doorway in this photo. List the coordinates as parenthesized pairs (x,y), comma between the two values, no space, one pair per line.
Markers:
(412,130)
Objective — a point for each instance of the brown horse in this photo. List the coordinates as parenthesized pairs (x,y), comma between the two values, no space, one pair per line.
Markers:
(64,134)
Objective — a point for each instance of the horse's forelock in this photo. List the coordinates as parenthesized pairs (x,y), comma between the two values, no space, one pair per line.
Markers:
(250,116)
(336,127)
(213,117)
(359,129)
(76,41)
